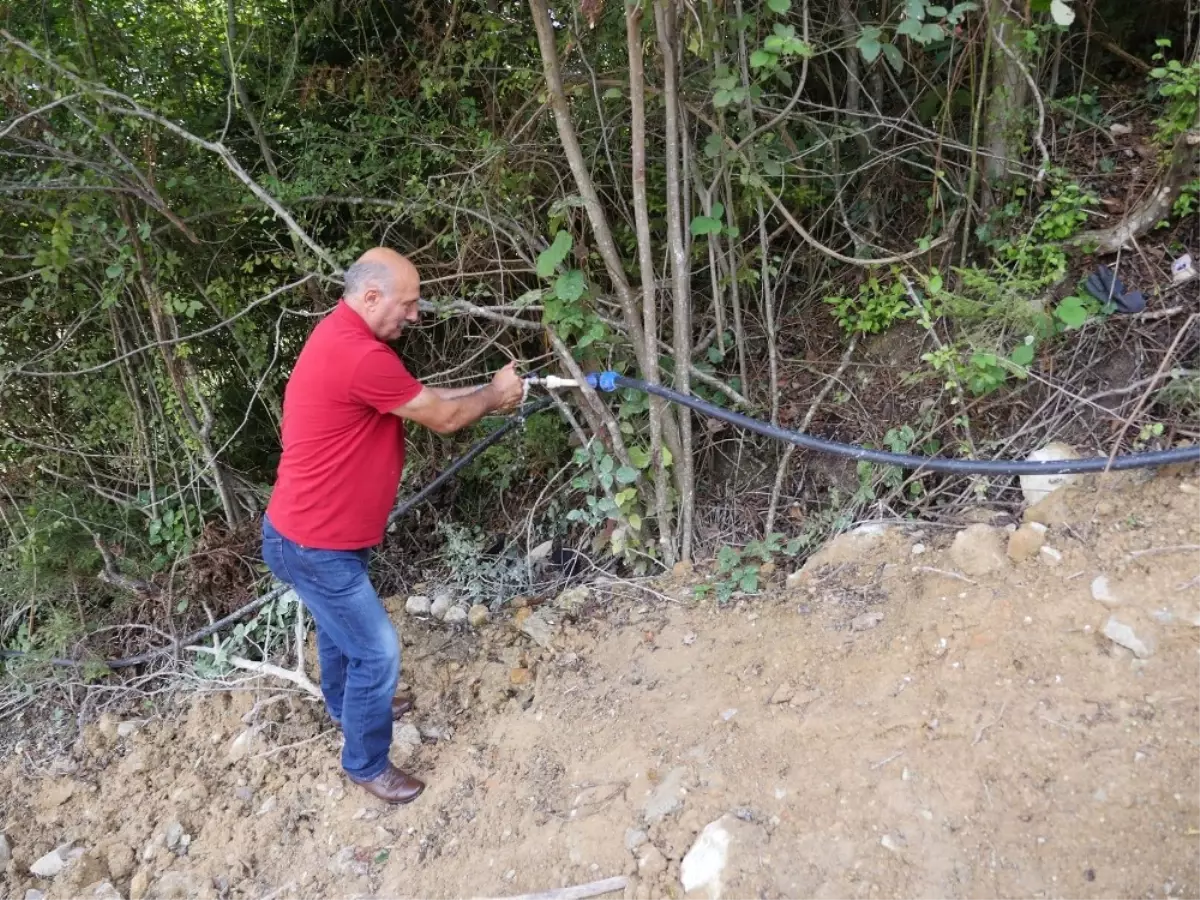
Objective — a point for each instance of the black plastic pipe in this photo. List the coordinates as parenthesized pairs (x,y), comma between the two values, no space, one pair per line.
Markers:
(611,381)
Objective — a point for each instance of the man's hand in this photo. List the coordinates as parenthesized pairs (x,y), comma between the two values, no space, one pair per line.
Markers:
(508,387)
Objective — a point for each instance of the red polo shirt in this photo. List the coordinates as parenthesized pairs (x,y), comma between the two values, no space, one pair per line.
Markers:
(343,451)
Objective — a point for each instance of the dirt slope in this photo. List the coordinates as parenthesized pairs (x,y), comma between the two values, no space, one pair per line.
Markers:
(879,728)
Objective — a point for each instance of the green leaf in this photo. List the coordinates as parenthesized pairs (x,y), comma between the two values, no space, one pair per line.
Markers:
(772,168)
(936,11)
(713,143)
(627,475)
(570,286)
(116,270)
(639,457)
(915,9)
(550,258)
(960,10)
(635,521)
(895,59)
(607,465)
(931,33)
(1022,354)
(702,225)
(1061,13)
(1071,313)
(715,355)
(869,43)
(779,6)
(718,210)
(910,28)
(761,58)
(612,94)
(666,456)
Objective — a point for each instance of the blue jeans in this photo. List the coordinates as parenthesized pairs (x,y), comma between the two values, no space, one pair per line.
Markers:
(357,644)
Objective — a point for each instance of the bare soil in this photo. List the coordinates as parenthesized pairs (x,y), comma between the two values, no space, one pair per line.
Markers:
(942,721)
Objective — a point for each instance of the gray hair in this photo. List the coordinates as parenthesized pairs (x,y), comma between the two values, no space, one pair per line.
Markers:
(362,276)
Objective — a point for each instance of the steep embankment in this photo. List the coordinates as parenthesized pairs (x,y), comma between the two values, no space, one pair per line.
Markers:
(916,714)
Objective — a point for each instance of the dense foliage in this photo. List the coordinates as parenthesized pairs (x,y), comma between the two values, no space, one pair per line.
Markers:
(721,196)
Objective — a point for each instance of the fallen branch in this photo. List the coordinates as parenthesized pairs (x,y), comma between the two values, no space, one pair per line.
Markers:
(110,574)
(265,668)
(579,891)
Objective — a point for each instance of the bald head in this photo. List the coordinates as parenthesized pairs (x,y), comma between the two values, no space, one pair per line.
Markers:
(383,287)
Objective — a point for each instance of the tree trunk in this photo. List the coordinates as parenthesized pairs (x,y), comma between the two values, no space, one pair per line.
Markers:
(1004,127)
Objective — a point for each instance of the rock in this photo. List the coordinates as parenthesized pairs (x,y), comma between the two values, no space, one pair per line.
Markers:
(5,852)
(1051,556)
(766,570)
(442,604)
(49,866)
(173,886)
(783,693)
(407,734)
(540,553)
(268,805)
(34,894)
(1053,510)
(1134,633)
(866,621)
(139,885)
(243,793)
(417,605)
(665,798)
(978,550)
(1037,488)
(520,675)
(478,615)
(538,627)
(240,746)
(120,862)
(173,836)
(125,729)
(571,601)
(704,865)
(634,838)
(455,615)
(895,844)
(795,580)
(918,549)
(1102,592)
(847,547)
(651,862)
(102,890)
(1026,541)
(1119,129)
(682,569)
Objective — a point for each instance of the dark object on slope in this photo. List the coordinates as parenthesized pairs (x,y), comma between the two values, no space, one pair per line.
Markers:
(1104,286)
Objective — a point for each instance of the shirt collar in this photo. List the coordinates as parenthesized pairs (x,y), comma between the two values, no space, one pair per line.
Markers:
(345,312)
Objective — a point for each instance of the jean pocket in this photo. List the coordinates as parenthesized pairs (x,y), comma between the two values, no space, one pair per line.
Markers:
(272,552)
(333,571)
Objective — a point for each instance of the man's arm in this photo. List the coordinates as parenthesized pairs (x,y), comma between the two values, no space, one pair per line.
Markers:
(455,393)
(445,415)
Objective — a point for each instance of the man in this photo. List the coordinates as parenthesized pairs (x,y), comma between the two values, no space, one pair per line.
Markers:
(343,453)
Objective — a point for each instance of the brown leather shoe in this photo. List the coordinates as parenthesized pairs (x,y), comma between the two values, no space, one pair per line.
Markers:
(393,786)
(400,706)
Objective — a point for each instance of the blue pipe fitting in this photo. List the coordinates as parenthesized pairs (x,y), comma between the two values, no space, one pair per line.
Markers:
(604,381)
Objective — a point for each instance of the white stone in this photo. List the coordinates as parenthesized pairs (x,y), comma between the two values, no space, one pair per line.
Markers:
(666,797)
(5,852)
(417,605)
(441,605)
(1143,645)
(1039,487)
(704,865)
(456,615)
(49,865)
(1102,591)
